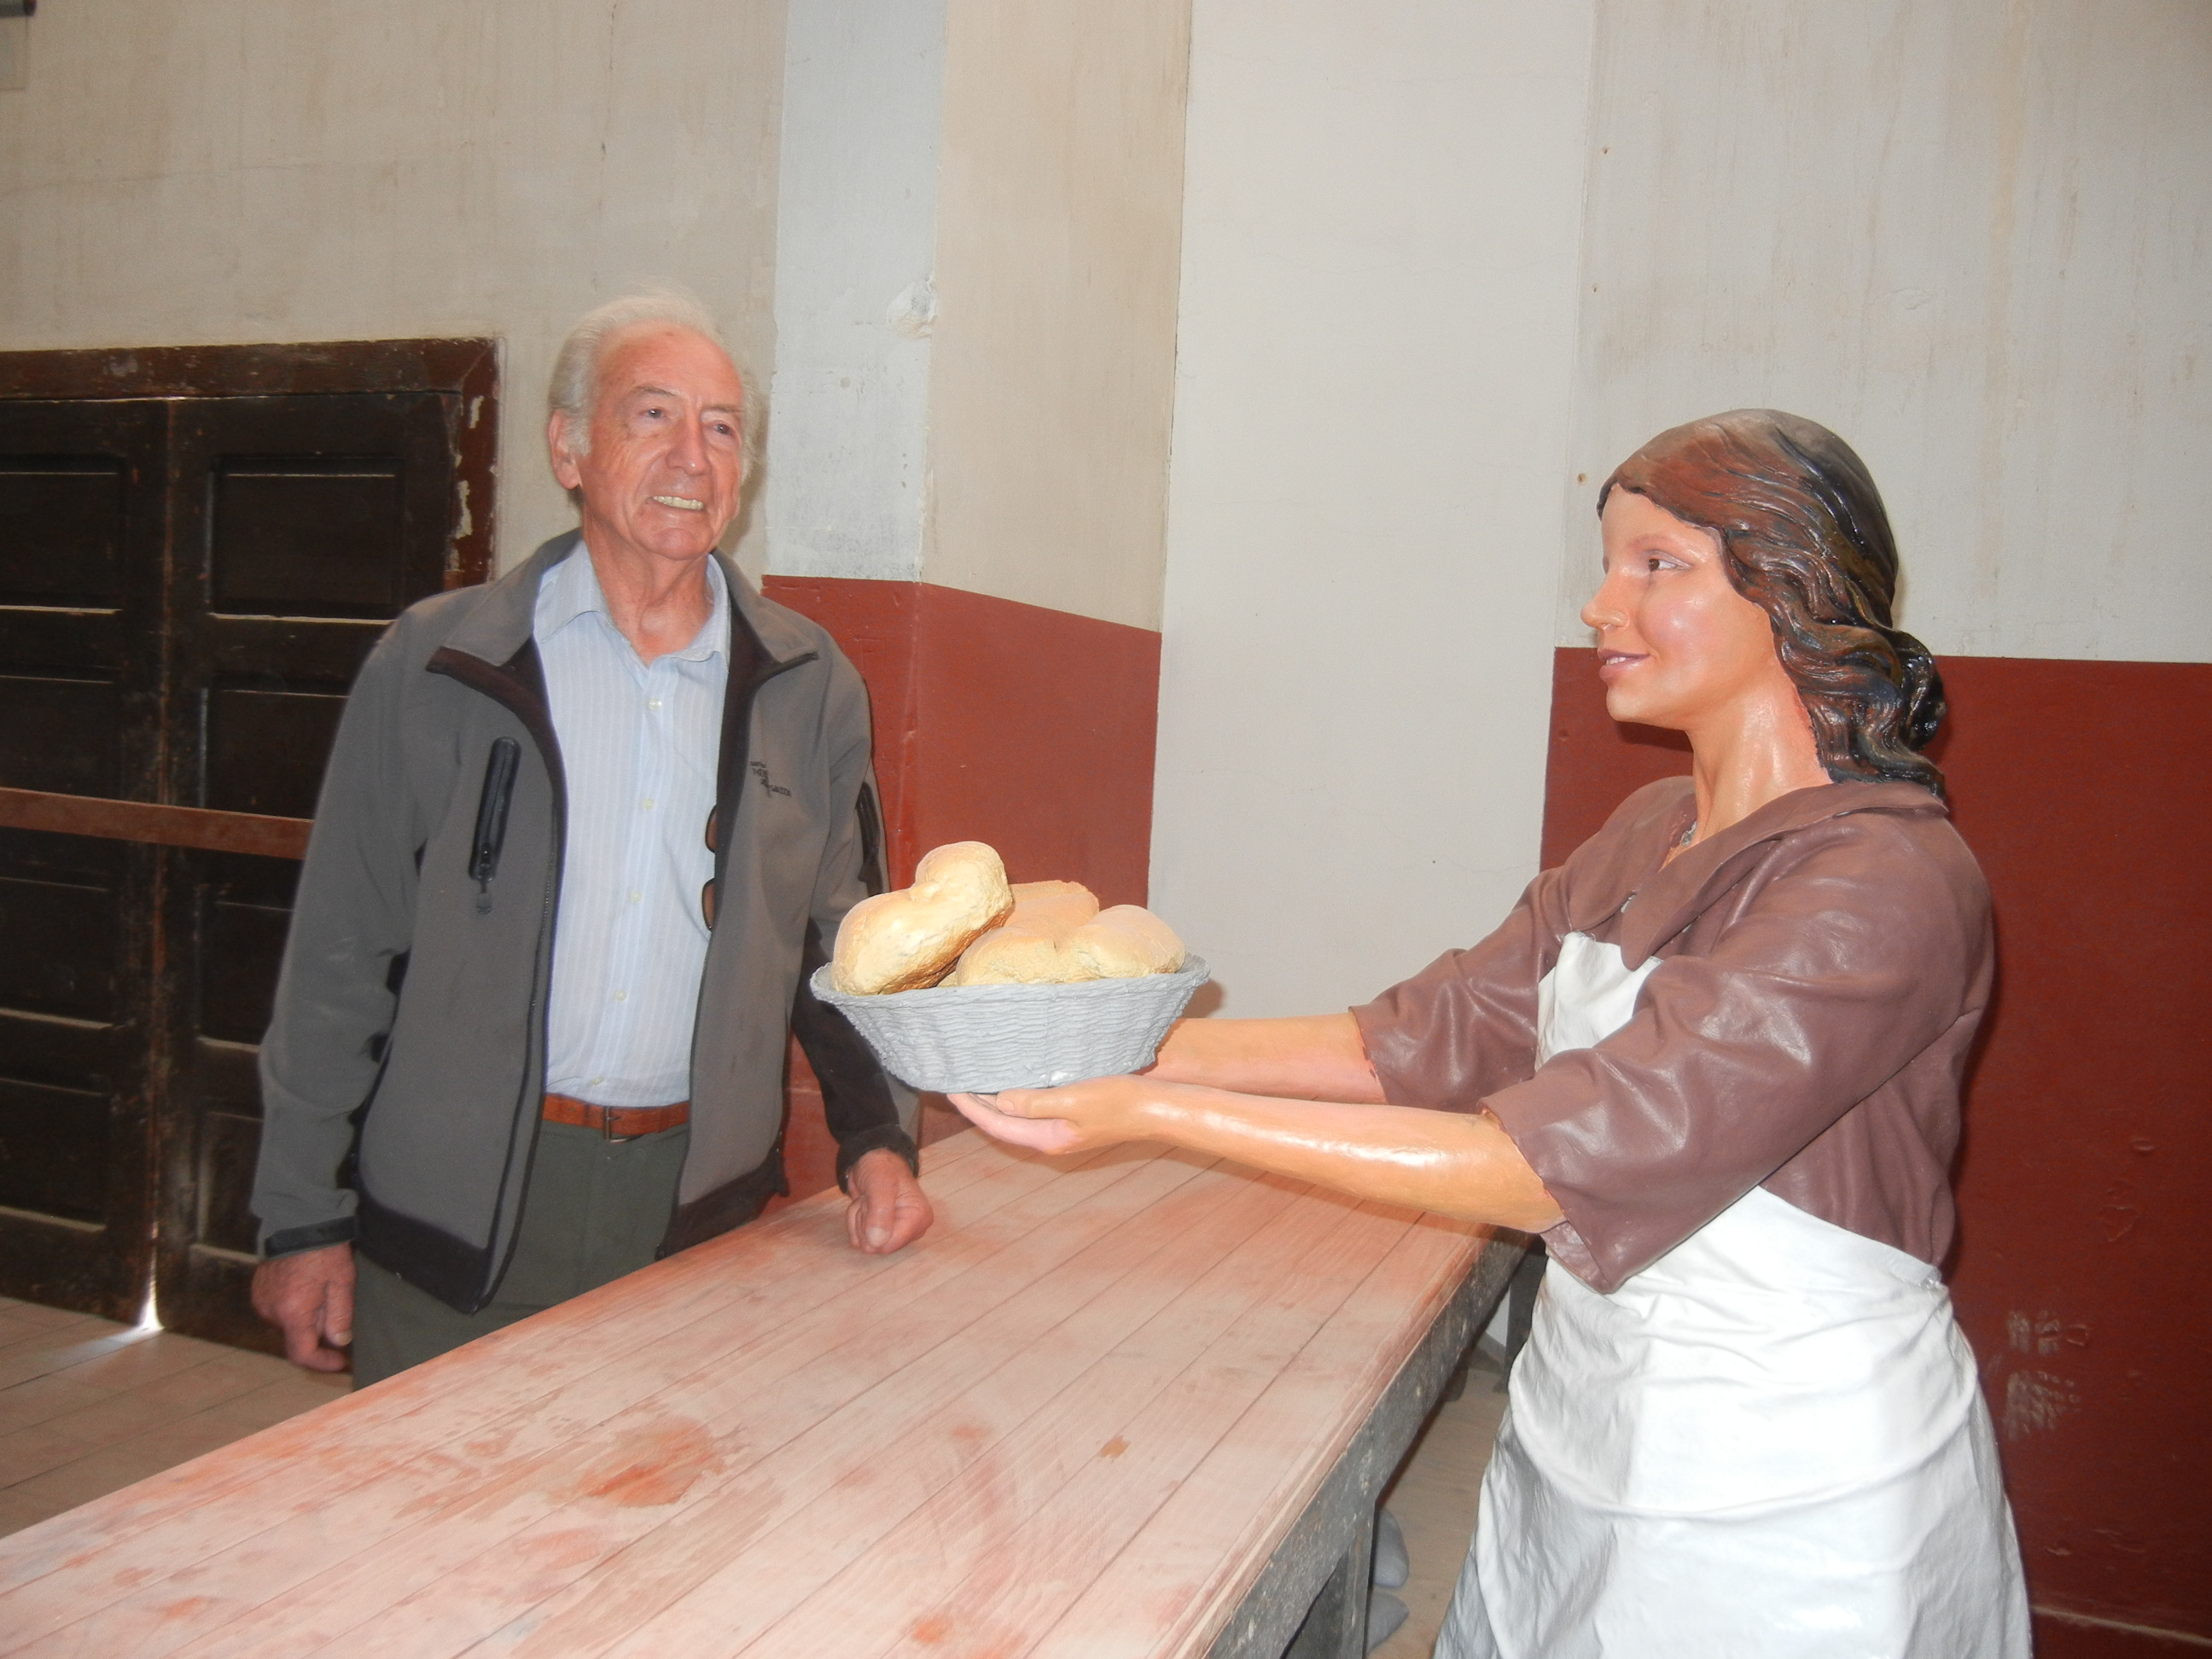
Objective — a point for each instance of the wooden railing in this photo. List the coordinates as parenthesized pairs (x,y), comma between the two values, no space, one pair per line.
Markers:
(166,826)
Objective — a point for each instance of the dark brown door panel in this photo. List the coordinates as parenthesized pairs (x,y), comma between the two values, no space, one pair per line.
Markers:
(62,521)
(301,525)
(84,511)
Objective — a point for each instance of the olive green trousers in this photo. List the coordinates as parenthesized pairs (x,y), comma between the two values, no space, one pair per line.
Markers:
(594,1210)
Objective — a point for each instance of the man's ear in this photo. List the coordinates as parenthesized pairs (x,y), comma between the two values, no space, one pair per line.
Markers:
(565,473)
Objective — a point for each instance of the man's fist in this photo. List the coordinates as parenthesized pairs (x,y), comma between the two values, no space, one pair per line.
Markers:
(308,1296)
(888,1211)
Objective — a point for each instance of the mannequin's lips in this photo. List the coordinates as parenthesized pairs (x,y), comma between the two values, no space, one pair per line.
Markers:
(1612,665)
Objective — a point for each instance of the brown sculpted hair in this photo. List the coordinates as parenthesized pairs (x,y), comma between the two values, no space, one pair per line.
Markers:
(1804,537)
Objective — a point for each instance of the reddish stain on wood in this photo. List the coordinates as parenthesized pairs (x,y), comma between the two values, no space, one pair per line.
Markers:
(648,1467)
(1114,1448)
(2084,789)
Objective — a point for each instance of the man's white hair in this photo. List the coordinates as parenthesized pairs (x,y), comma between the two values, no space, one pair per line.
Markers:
(576,383)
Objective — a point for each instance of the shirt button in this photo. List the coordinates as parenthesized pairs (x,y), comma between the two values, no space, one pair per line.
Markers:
(653,702)
(645,805)
(622,996)
(634,895)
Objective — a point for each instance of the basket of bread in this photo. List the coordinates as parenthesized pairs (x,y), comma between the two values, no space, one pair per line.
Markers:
(966,982)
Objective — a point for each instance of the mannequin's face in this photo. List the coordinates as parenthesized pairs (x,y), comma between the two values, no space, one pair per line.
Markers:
(1678,647)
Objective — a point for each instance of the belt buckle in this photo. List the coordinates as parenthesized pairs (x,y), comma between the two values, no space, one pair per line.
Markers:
(607,1127)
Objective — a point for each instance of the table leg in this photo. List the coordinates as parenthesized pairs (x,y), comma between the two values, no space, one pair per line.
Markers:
(1329,1551)
(1336,1627)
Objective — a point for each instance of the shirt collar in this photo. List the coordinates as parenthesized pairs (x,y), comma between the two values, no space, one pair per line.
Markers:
(571,589)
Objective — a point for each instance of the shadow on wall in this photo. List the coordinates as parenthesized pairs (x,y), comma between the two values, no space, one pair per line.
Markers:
(2082,788)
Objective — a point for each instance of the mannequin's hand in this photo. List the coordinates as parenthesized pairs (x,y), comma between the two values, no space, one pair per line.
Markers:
(889,1209)
(1077,1118)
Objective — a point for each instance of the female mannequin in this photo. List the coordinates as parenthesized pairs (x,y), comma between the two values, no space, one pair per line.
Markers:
(1714,1058)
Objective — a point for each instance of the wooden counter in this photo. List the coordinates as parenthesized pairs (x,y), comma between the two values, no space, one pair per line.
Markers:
(1081,1417)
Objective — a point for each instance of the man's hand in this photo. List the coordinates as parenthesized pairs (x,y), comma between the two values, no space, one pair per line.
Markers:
(308,1296)
(889,1210)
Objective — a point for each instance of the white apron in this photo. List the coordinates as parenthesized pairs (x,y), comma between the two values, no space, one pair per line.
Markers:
(1768,1444)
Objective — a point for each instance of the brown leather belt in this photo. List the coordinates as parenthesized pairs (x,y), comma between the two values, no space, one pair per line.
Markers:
(616,1122)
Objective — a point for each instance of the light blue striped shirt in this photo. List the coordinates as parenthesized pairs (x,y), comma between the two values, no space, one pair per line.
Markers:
(640,746)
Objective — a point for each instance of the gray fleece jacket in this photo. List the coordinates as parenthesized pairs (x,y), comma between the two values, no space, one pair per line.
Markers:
(402,1074)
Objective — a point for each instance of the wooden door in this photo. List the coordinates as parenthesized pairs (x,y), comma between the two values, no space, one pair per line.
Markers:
(300,526)
(83,510)
(188,586)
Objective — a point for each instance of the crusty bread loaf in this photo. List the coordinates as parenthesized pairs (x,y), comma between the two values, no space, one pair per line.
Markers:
(1126,942)
(1052,904)
(1028,949)
(904,940)
(1049,946)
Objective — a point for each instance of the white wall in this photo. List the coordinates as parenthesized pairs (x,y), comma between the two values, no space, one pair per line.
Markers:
(845,493)
(1446,264)
(1060,221)
(1382,209)
(239,171)
(1973,239)
(979,209)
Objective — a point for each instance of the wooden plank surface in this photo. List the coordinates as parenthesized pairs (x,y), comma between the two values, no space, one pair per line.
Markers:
(1075,1421)
(167,826)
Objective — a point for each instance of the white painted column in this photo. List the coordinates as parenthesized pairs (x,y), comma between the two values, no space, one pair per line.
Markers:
(845,490)
(978,209)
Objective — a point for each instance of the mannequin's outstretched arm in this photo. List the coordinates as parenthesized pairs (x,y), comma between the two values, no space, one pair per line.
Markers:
(1454,1165)
(1314,1057)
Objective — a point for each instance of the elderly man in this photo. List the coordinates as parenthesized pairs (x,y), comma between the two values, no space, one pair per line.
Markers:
(585,832)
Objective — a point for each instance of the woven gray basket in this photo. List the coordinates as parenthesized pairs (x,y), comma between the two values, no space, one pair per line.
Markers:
(978,1039)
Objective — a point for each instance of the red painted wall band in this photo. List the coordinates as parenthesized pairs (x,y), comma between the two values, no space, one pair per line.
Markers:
(1028,728)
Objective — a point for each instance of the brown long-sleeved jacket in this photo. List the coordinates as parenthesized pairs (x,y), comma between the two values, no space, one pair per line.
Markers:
(1825,963)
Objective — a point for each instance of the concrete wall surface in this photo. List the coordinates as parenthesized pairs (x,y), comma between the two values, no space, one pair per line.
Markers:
(845,493)
(979,213)
(1383,204)
(247,171)
(1969,238)
(1059,219)
(1972,239)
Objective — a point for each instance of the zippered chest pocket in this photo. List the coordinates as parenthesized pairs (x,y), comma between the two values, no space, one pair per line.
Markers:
(493,804)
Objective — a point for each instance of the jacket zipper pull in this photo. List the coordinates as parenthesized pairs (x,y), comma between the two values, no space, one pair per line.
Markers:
(491,817)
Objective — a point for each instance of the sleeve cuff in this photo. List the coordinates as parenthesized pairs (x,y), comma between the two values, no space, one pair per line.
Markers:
(886,1137)
(321,1235)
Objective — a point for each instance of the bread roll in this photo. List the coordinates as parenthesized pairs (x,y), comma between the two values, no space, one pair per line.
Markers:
(904,940)
(1028,950)
(1046,947)
(1125,943)
(1061,904)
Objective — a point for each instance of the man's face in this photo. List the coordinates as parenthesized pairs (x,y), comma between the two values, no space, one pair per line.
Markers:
(666,456)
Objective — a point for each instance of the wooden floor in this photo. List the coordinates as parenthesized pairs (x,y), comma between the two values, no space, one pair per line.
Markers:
(88,1406)
(1073,1421)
